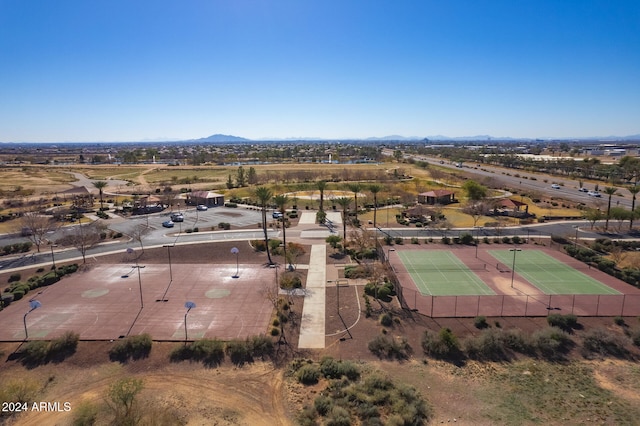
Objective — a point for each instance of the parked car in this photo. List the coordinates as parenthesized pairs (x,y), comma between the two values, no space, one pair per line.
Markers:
(276,215)
(555,186)
(168,224)
(594,194)
(201,207)
(177,217)
(583,189)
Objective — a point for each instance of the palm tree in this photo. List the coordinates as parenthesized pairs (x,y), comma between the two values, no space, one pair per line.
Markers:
(374,189)
(633,190)
(281,201)
(355,188)
(344,203)
(321,185)
(100,185)
(609,190)
(264,195)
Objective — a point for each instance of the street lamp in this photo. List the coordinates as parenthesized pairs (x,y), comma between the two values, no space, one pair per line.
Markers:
(138,267)
(34,304)
(169,247)
(53,260)
(513,266)
(575,241)
(235,251)
(189,306)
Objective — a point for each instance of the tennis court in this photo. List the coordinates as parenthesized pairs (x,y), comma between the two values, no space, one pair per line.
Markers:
(551,276)
(440,272)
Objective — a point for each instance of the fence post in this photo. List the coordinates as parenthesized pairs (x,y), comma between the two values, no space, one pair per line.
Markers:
(415,300)
(573,303)
(455,307)
(478,309)
(432,297)
(598,306)
(526,305)
(624,296)
(502,307)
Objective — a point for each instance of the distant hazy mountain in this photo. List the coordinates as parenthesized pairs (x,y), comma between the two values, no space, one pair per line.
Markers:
(222,138)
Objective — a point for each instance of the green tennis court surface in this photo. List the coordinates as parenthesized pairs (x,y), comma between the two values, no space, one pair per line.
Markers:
(548,274)
(441,273)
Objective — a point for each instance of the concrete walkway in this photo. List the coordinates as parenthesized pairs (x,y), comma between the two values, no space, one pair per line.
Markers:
(312,324)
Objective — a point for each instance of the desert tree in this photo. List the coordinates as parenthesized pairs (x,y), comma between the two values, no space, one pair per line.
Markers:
(281,201)
(344,202)
(122,400)
(100,185)
(474,190)
(264,195)
(322,186)
(592,216)
(355,187)
(83,237)
(477,209)
(139,232)
(36,226)
(375,189)
(634,191)
(610,191)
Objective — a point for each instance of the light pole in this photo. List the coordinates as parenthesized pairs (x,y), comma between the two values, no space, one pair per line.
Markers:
(34,304)
(235,251)
(138,267)
(169,247)
(575,241)
(53,259)
(513,266)
(189,306)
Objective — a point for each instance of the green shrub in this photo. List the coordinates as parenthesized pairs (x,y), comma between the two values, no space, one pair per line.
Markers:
(323,405)
(566,322)
(14,277)
(602,342)
(480,322)
(489,345)
(308,374)
(134,347)
(260,346)
(63,346)
(619,321)
(385,319)
(389,348)
(333,369)
(551,342)
(35,352)
(443,344)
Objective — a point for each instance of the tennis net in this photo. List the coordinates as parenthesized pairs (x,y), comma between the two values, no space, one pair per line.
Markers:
(501,267)
(447,267)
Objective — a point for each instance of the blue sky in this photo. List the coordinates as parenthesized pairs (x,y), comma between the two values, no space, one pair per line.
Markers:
(127,70)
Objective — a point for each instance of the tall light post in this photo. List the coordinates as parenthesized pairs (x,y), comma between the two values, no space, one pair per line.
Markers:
(513,266)
(189,306)
(235,251)
(138,267)
(53,259)
(34,304)
(575,241)
(169,247)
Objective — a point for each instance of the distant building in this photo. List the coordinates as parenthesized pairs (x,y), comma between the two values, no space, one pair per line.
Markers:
(208,198)
(438,196)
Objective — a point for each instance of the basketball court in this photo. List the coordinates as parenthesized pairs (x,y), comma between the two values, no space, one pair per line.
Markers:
(116,300)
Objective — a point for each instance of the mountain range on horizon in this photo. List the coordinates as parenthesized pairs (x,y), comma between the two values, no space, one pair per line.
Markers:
(220,138)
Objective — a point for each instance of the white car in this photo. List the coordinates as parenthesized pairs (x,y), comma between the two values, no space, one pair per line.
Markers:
(555,186)
(594,194)
(202,207)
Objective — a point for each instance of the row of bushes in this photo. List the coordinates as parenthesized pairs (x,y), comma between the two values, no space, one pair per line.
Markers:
(40,352)
(212,352)
(17,289)
(465,238)
(591,257)
(16,248)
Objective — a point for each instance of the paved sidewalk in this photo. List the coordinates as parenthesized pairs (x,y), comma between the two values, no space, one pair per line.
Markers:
(312,325)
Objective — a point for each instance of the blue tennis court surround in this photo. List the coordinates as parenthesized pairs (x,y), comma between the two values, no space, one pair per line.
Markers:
(551,276)
(441,273)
